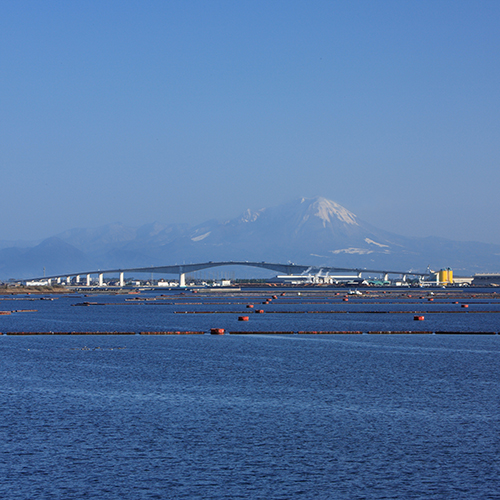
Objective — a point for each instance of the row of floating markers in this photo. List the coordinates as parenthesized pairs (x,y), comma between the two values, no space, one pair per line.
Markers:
(221,331)
(6,313)
(261,311)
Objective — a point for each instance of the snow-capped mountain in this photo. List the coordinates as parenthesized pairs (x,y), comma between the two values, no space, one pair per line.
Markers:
(306,230)
(313,231)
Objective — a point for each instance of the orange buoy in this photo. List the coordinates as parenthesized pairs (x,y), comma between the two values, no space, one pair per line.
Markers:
(418,318)
(249,306)
(217,331)
(243,318)
(259,311)
(465,305)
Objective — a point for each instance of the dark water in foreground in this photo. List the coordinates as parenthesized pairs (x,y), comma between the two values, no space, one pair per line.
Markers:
(225,417)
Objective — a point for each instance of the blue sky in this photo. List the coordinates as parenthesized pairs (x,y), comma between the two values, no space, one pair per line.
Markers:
(182,111)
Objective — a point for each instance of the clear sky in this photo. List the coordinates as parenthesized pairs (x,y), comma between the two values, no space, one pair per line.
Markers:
(183,111)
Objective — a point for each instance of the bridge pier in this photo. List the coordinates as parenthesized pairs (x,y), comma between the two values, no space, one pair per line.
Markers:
(182,279)
(122,280)
(386,277)
(101,280)
(77,279)
(88,279)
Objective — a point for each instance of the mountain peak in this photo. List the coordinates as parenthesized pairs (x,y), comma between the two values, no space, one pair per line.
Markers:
(327,210)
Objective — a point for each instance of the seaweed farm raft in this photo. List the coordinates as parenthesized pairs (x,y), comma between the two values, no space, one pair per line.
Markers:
(255,311)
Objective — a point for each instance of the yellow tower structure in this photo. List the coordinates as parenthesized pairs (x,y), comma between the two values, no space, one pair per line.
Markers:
(445,276)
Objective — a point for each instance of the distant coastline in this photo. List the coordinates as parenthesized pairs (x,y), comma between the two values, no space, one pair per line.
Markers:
(22,290)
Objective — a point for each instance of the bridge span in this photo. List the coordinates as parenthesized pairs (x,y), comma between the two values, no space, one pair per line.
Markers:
(182,269)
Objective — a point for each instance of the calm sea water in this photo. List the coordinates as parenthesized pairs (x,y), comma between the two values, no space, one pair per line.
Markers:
(172,311)
(261,416)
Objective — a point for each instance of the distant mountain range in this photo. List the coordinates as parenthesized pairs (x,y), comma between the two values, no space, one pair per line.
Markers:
(313,231)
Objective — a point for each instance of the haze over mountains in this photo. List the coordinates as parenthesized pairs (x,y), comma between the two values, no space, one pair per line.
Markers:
(313,231)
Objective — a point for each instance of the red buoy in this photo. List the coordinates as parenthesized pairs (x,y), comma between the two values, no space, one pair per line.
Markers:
(242,318)
(418,318)
(217,331)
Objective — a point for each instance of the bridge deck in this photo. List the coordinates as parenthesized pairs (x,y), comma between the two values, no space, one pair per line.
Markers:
(292,269)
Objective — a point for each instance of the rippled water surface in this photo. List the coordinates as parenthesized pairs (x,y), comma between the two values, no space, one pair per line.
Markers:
(260,416)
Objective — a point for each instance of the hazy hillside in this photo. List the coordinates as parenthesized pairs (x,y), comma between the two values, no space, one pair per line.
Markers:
(305,231)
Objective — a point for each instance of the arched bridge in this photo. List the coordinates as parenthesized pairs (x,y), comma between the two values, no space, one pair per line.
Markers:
(182,269)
